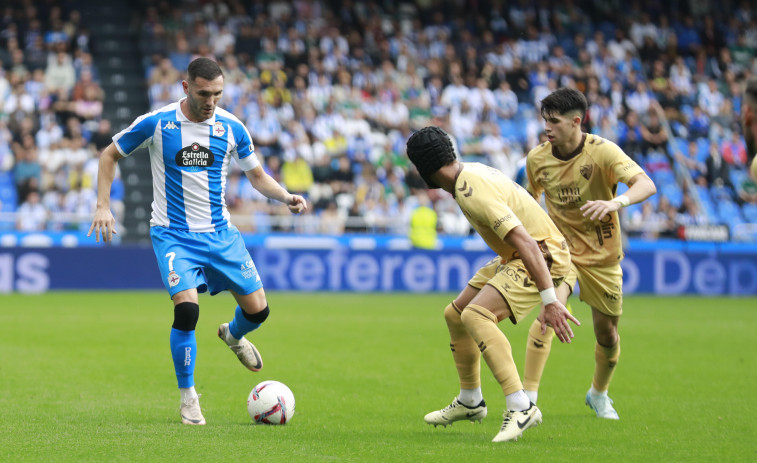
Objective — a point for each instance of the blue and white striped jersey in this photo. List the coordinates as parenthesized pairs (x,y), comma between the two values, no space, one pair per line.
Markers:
(189,162)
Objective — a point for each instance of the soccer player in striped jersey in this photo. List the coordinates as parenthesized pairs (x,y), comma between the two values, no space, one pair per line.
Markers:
(579,175)
(191,143)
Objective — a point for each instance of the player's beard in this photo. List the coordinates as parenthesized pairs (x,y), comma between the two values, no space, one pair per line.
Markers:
(197,109)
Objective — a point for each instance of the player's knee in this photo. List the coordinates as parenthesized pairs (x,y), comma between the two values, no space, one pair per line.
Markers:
(257,317)
(452,315)
(536,338)
(185,315)
(607,339)
(474,315)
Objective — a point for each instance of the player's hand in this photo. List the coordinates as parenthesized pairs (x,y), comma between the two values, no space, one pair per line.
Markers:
(599,209)
(297,204)
(557,316)
(104,225)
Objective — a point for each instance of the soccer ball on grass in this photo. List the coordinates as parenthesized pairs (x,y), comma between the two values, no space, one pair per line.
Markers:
(270,402)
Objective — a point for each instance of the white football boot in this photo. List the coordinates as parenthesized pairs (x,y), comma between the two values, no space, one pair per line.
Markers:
(514,423)
(245,350)
(456,411)
(602,406)
(191,413)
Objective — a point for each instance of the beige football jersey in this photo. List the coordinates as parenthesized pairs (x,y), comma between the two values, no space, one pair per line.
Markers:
(592,173)
(494,204)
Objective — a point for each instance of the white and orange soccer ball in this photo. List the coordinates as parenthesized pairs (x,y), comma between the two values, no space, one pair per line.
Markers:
(271,402)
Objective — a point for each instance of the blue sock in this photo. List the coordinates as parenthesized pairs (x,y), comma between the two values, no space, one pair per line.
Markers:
(240,325)
(184,352)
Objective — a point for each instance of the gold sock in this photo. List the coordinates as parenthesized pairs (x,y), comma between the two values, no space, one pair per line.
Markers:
(464,350)
(537,352)
(605,360)
(494,346)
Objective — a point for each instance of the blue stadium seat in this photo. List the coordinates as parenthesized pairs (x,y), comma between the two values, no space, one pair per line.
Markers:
(682,145)
(673,192)
(737,177)
(8,197)
(722,193)
(687,111)
(729,212)
(750,212)
(703,148)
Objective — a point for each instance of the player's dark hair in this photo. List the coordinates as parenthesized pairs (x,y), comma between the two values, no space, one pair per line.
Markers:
(430,149)
(205,68)
(563,101)
(750,89)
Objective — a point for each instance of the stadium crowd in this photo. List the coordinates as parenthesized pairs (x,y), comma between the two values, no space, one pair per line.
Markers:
(331,91)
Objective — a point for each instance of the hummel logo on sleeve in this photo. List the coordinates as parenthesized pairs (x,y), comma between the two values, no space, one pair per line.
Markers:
(170,125)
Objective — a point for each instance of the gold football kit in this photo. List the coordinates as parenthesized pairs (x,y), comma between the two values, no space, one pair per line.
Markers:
(590,173)
(494,204)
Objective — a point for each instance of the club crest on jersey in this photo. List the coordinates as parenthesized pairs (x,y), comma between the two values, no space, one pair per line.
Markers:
(173,279)
(586,171)
(194,157)
(218,129)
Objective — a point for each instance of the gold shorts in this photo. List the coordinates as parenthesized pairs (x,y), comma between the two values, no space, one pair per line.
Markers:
(513,282)
(601,287)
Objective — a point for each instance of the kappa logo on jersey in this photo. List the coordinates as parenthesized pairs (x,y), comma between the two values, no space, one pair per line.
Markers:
(194,157)
(586,171)
(218,129)
(170,125)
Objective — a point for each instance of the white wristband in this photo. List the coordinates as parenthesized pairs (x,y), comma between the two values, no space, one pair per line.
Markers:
(622,200)
(548,296)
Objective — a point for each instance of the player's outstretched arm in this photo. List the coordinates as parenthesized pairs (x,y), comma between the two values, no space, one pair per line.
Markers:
(553,313)
(640,187)
(104,224)
(265,184)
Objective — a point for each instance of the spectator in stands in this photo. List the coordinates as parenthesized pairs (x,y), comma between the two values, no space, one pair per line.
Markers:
(689,213)
(646,222)
(60,74)
(297,175)
(31,214)
(748,191)
(653,134)
(102,136)
(734,150)
(718,170)
(698,123)
(689,159)
(27,172)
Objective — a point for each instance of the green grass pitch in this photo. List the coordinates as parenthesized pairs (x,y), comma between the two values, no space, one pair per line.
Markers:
(88,377)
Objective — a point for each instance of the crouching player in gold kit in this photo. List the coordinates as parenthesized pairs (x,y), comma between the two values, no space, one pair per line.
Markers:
(579,175)
(533,259)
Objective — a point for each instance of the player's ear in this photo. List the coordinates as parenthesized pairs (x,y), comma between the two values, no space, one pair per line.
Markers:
(185,86)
